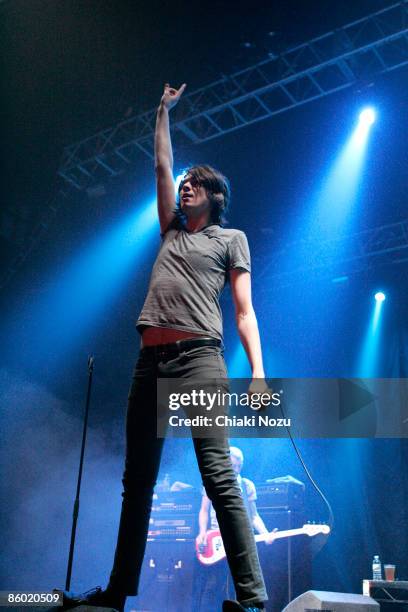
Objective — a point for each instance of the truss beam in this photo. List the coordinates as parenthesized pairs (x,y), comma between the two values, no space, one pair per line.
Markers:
(371,249)
(357,52)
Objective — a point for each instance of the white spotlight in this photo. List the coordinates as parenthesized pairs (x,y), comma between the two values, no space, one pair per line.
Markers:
(380,296)
(177,182)
(367,116)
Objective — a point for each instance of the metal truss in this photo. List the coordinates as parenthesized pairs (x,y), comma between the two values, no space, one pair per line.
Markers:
(351,54)
(334,259)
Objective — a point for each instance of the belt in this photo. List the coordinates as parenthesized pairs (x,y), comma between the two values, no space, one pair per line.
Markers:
(175,348)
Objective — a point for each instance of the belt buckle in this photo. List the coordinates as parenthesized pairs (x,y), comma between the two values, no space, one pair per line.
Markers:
(160,352)
(166,352)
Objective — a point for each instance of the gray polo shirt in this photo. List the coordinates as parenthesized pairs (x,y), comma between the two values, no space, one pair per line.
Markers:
(189,275)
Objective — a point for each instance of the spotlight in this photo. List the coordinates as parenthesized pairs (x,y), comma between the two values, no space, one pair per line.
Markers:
(380,296)
(367,116)
(178,180)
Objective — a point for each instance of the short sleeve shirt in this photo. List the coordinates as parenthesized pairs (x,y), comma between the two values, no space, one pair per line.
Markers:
(189,275)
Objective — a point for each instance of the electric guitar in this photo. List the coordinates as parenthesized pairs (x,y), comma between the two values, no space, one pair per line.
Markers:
(214,550)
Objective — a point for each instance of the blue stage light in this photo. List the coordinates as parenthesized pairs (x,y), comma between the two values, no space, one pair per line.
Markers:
(77,297)
(367,116)
(369,356)
(380,296)
(177,181)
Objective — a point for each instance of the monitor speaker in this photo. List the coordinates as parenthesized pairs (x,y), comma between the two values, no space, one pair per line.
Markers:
(332,602)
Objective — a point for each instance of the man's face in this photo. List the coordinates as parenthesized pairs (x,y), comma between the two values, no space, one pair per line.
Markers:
(236,464)
(193,197)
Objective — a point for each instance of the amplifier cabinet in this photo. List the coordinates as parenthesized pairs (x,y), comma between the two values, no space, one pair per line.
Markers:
(166,581)
(286,564)
(176,502)
(280,495)
(171,576)
(172,526)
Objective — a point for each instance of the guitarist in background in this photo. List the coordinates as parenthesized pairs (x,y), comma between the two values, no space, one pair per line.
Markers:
(216,579)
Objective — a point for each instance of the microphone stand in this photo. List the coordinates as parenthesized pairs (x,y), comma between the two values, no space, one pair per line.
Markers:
(81,463)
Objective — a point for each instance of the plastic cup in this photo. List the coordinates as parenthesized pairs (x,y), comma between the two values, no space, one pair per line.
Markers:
(389,571)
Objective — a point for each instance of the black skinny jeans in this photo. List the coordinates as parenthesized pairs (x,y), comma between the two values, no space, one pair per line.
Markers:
(143,453)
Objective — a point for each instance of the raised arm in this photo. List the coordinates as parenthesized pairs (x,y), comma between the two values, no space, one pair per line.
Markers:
(163,156)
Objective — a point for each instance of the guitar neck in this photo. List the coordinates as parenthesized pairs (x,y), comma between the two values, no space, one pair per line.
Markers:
(261,537)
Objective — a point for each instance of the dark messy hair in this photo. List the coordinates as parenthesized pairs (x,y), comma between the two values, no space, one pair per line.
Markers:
(216,186)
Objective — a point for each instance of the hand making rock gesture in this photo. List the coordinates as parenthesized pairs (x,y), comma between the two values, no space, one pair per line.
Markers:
(171,95)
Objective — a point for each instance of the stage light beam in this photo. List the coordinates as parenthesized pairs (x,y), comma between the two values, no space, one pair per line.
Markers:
(367,116)
(370,350)
(340,190)
(74,300)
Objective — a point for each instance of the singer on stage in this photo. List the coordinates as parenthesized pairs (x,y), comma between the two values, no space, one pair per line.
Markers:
(182,336)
